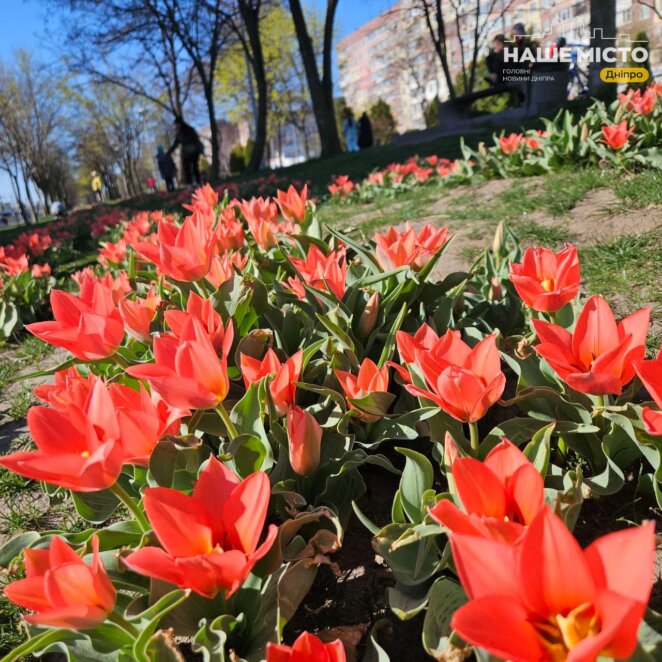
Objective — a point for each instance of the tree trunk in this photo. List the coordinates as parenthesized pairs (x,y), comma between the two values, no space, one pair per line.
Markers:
(321,90)
(35,213)
(215,174)
(439,40)
(603,32)
(251,20)
(17,194)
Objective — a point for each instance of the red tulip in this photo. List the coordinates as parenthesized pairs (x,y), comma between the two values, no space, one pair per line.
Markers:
(500,496)
(547,281)
(210,539)
(203,310)
(204,200)
(650,373)
(304,434)
(307,648)
(183,251)
(282,387)
(223,267)
(293,204)
(261,215)
(397,249)
(617,135)
(77,447)
(598,357)
(41,270)
(643,104)
(370,380)
(188,372)
(62,590)
(230,231)
(70,387)
(326,273)
(511,143)
(89,326)
(550,600)
(138,315)
(464,382)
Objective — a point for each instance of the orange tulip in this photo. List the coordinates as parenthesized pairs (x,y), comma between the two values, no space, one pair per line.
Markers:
(282,387)
(500,496)
(304,434)
(547,281)
(89,326)
(229,232)
(371,380)
(398,249)
(548,599)
(203,310)
(650,373)
(188,372)
(307,648)
(261,215)
(326,273)
(511,143)
(464,382)
(183,252)
(77,447)
(138,315)
(293,204)
(210,539)
(598,357)
(62,590)
(223,267)
(617,135)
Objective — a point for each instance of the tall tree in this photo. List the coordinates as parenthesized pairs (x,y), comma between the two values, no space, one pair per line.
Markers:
(252,45)
(161,34)
(603,33)
(321,87)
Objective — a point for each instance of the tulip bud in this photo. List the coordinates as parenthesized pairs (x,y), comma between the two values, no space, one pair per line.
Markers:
(496,291)
(584,133)
(482,150)
(369,316)
(305,438)
(497,244)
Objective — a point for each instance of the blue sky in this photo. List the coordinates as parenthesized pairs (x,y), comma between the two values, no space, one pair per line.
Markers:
(24,24)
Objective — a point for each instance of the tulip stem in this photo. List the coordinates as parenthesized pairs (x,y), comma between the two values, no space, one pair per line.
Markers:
(121,362)
(229,425)
(203,287)
(601,400)
(194,420)
(122,623)
(132,506)
(473,435)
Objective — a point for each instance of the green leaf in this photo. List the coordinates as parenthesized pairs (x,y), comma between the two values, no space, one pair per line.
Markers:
(374,652)
(13,548)
(389,344)
(417,477)
(539,449)
(408,601)
(446,597)
(148,621)
(95,507)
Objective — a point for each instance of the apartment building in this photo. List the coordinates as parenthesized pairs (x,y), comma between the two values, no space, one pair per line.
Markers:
(392,56)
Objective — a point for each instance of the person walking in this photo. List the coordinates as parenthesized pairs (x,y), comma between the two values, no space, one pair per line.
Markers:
(97,186)
(350,128)
(192,149)
(167,167)
(365,132)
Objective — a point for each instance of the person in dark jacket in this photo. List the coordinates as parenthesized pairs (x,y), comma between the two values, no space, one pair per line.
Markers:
(192,149)
(365,131)
(167,167)
(495,60)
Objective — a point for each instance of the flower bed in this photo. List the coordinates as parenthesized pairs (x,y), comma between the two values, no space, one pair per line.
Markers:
(234,376)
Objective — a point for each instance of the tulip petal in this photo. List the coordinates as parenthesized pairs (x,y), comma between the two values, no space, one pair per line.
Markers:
(555,575)
(499,624)
(180,522)
(245,511)
(479,489)
(596,331)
